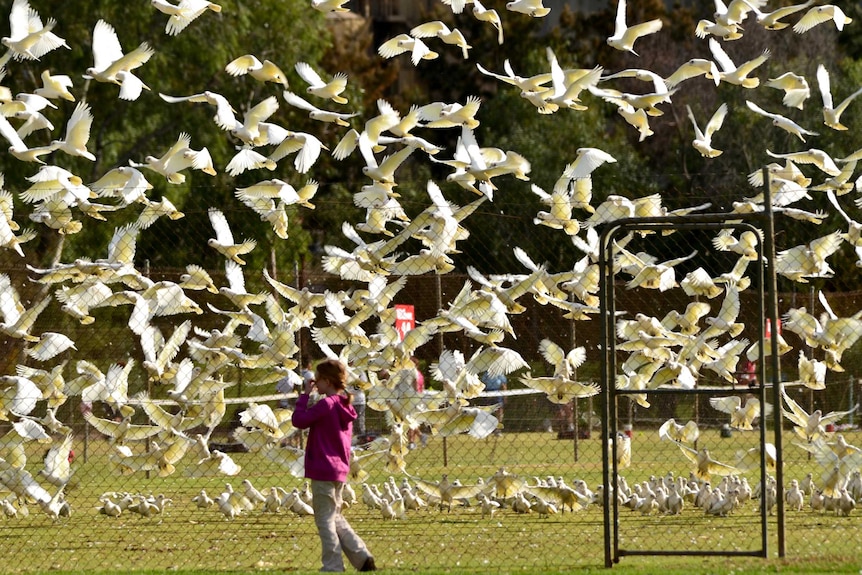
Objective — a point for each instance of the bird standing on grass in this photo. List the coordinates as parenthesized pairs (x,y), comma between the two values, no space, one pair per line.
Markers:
(447,491)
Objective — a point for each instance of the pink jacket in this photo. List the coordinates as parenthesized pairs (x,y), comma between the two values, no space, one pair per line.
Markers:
(330,425)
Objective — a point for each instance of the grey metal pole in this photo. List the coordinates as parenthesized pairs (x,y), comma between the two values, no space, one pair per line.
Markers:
(772,310)
(575,434)
(438,284)
(605,285)
(149,384)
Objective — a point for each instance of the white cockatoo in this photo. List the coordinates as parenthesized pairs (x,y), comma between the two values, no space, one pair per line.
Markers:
(111,65)
(184,13)
(703,138)
(624,36)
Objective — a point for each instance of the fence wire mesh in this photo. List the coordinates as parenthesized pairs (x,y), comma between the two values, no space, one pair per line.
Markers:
(692,355)
(114,407)
(151,358)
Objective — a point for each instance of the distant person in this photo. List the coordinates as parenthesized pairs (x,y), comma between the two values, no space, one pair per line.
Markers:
(748,375)
(327,462)
(287,384)
(420,378)
(355,389)
(306,372)
(419,385)
(495,383)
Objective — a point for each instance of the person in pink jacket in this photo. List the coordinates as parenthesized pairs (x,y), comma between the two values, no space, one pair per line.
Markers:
(327,461)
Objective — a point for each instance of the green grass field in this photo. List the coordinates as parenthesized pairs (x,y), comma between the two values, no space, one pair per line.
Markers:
(187,539)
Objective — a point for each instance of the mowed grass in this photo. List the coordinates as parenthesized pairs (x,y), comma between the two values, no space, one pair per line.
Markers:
(188,539)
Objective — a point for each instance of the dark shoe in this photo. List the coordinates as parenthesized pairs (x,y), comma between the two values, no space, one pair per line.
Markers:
(369,565)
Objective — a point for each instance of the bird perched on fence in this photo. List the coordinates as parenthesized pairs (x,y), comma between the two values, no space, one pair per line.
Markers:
(623,450)
(811,372)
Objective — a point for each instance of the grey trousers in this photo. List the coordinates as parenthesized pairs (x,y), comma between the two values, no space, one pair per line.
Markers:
(335,532)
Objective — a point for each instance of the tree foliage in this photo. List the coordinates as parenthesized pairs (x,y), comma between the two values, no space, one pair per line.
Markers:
(186,64)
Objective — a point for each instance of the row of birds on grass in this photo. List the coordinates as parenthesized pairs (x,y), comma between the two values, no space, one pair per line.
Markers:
(673,351)
(671,496)
(667,495)
(839,461)
(839,479)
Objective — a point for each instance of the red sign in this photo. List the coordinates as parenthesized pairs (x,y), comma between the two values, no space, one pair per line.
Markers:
(768,333)
(405,319)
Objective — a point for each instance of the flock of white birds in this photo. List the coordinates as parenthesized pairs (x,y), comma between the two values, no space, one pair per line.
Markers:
(258,333)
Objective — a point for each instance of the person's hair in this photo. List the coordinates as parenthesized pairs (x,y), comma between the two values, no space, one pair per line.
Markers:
(334,371)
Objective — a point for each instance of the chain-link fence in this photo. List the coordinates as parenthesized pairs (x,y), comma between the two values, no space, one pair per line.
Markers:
(152,435)
(152,356)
